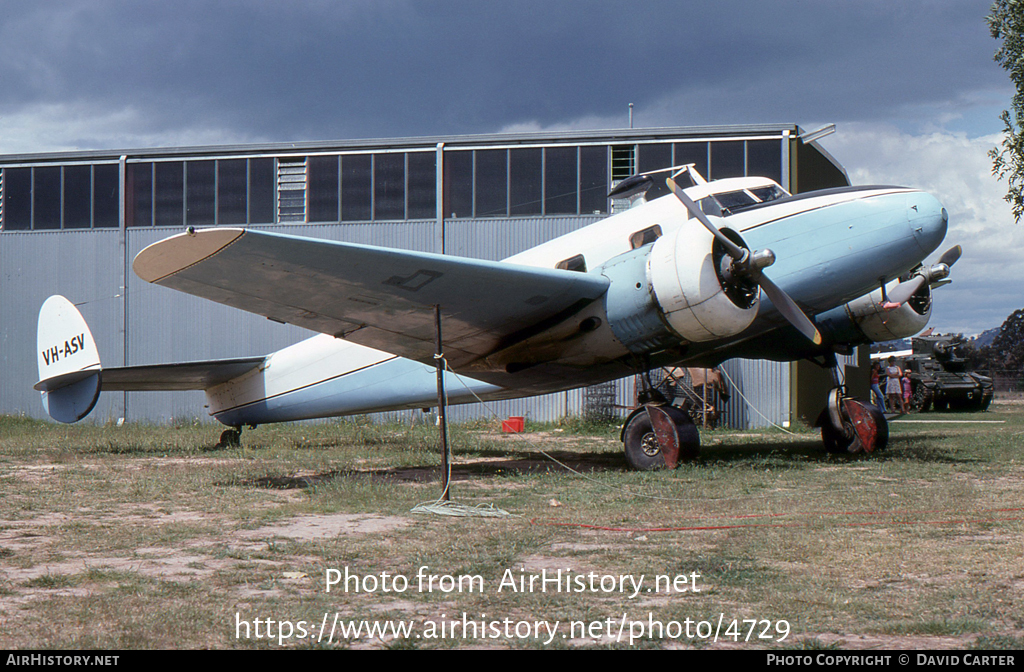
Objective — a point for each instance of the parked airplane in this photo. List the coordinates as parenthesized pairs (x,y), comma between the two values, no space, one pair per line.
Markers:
(679,280)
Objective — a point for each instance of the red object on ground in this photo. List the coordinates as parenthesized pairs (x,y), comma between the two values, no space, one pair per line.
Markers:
(513,425)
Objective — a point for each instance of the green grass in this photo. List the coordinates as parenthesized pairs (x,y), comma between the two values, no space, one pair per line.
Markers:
(149,537)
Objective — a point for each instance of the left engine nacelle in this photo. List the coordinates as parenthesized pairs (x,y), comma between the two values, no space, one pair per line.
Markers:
(674,290)
(865,320)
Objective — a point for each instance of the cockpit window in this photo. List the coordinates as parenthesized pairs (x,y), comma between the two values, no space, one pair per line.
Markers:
(733,200)
(769,193)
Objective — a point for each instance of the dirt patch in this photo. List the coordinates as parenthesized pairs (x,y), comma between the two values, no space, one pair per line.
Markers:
(311,528)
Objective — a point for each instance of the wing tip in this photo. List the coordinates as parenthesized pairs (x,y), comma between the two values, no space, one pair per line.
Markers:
(170,255)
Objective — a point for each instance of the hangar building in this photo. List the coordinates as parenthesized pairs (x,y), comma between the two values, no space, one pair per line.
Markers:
(71,223)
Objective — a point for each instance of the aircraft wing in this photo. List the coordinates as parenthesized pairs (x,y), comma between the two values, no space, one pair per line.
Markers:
(379,297)
(183,376)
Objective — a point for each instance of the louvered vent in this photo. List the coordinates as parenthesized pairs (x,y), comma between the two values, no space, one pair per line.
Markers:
(291,190)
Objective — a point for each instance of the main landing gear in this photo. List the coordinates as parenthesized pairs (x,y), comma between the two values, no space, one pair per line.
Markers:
(657,435)
(852,426)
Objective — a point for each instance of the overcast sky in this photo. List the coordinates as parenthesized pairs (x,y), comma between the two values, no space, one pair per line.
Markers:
(911,86)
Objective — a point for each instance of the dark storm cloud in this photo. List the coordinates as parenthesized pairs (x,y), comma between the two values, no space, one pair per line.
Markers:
(315,70)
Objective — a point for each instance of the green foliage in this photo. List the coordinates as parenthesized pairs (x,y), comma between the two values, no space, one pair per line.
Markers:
(1007,350)
(1006,23)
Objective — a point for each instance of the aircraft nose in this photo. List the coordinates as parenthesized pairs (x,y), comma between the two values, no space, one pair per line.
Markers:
(928,220)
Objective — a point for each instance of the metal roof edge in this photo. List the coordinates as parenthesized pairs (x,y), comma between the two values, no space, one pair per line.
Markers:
(611,136)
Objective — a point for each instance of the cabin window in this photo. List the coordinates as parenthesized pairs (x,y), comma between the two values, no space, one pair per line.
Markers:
(645,237)
(577,263)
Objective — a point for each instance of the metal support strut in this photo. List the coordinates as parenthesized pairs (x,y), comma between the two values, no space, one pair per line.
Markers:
(442,404)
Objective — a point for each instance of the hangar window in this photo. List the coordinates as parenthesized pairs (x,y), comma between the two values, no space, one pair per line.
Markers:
(324,184)
(655,157)
(232,191)
(168,193)
(764,159)
(421,185)
(49,198)
(491,183)
(356,187)
(691,152)
(201,193)
(593,180)
(526,181)
(577,263)
(17,199)
(728,159)
(561,180)
(645,236)
(389,186)
(458,184)
(46,197)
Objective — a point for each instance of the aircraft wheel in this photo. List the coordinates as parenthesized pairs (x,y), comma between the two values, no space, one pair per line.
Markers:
(864,429)
(230,438)
(643,452)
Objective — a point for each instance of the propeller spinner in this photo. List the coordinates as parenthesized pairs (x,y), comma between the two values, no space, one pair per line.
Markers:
(750,265)
(939,271)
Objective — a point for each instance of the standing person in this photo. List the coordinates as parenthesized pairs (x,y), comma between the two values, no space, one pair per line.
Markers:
(906,392)
(893,386)
(876,390)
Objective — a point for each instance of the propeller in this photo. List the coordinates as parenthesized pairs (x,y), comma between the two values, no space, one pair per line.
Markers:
(750,265)
(936,273)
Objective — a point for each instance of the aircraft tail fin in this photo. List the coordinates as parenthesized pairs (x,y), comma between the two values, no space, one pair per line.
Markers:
(69,363)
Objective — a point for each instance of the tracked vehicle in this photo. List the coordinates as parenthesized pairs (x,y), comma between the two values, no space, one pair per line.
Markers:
(940,378)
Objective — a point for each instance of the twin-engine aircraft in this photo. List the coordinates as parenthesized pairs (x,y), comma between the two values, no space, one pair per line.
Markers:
(730,268)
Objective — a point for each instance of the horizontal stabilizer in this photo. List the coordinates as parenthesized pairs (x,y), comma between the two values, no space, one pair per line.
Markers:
(183,376)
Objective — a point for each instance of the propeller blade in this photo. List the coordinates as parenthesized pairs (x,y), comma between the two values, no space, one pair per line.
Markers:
(789,309)
(733,250)
(905,290)
(752,265)
(951,255)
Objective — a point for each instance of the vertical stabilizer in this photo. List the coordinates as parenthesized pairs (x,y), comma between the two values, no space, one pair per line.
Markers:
(69,363)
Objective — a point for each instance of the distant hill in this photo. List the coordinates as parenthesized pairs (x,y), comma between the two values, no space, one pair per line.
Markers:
(986,337)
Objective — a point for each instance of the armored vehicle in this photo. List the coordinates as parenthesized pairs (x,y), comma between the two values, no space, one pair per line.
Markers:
(940,379)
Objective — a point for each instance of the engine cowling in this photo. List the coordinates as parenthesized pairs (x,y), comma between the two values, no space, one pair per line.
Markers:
(689,284)
(865,320)
(674,291)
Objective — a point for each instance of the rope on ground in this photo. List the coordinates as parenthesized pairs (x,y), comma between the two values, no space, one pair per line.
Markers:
(751,405)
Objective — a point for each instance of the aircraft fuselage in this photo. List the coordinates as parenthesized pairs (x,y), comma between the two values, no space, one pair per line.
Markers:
(830,248)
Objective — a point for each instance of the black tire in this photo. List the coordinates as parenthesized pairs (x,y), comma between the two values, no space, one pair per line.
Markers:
(642,450)
(230,438)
